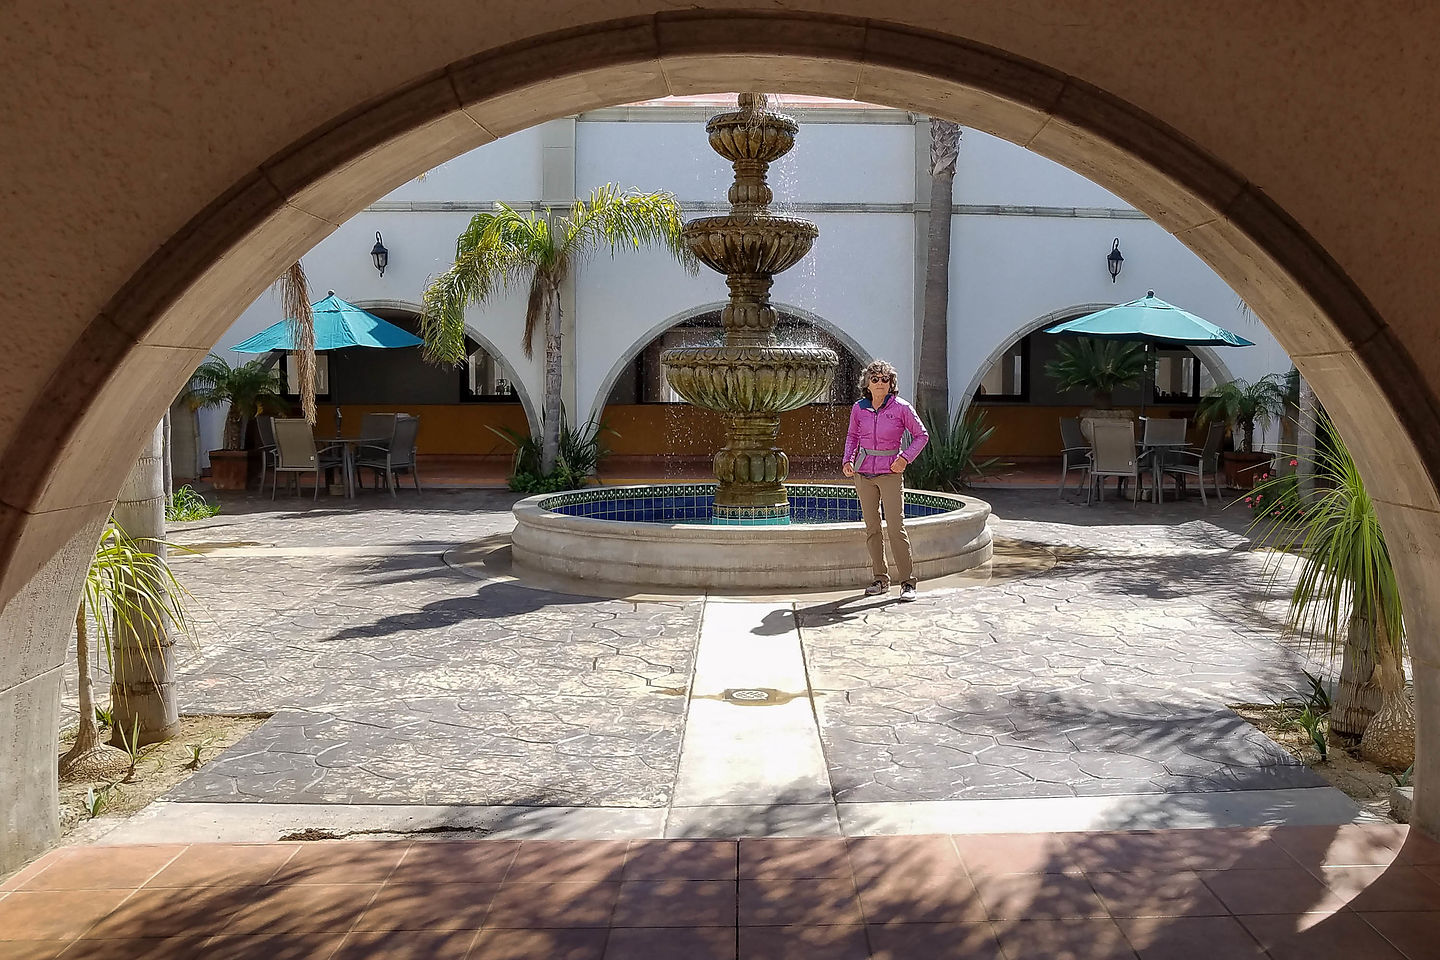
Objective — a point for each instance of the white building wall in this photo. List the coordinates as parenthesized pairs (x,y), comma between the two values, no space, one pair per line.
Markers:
(1010,266)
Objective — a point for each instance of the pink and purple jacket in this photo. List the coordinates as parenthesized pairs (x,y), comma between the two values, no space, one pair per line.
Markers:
(883,429)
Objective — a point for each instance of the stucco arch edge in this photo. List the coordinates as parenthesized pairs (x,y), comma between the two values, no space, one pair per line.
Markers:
(532,412)
(1209,356)
(628,355)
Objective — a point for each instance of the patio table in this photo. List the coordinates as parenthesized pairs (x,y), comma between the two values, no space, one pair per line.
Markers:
(348,446)
(1156,452)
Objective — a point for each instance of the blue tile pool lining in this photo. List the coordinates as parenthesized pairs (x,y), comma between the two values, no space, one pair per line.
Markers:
(694,503)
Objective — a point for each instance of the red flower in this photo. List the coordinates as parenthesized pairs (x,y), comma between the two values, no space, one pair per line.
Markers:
(1294,463)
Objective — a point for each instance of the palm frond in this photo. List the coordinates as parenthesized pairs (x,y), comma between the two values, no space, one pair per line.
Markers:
(300,319)
(133,590)
(1098,366)
(613,220)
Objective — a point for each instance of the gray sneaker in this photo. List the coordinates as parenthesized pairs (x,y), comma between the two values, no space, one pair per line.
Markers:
(877,588)
(907,591)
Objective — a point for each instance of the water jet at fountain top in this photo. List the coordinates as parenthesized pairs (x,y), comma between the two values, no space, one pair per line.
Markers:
(751,378)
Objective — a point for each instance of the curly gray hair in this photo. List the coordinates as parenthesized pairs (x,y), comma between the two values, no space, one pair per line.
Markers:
(878,368)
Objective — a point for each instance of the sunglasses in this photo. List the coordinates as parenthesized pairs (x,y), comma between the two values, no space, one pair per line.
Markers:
(879,379)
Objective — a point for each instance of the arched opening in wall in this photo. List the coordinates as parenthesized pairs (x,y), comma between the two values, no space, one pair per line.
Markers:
(654,427)
(1023,402)
(1302,286)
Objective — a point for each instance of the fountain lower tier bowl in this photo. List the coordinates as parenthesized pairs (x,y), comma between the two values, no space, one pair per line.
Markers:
(660,535)
(759,380)
(750,243)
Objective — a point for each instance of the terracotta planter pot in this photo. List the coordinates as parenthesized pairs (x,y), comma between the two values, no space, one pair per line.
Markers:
(1089,416)
(229,469)
(1243,469)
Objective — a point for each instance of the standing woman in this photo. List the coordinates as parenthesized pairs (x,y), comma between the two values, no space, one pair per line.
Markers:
(873,457)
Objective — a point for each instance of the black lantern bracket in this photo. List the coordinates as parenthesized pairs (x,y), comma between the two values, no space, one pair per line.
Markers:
(1113,262)
(379,254)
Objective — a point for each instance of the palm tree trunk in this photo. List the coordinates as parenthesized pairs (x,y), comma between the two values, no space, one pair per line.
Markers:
(550,428)
(143,683)
(1306,441)
(932,383)
(1389,740)
(1356,698)
(165,459)
(87,759)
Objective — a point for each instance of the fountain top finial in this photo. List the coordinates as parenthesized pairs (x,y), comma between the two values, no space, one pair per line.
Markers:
(753,103)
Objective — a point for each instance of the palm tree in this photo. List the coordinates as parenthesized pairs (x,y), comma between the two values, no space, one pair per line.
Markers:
(142,679)
(505,249)
(251,389)
(932,385)
(1100,366)
(1245,405)
(1347,599)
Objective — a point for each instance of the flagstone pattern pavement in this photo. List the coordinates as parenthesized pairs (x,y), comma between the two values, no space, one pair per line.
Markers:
(396,679)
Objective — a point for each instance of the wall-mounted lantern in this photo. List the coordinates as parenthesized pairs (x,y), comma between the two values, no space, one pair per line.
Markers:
(1112,263)
(381,256)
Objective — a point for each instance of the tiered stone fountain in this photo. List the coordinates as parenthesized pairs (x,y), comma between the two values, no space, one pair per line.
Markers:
(752,378)
(749,532)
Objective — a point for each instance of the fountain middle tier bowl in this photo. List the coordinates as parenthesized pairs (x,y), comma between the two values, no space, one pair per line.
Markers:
(770,379)
(750,243)
(661,536)
(745,135)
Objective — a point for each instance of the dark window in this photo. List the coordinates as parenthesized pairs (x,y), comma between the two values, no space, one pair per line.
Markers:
(290,377)
(485,378)
(1177,377)
(1008,379)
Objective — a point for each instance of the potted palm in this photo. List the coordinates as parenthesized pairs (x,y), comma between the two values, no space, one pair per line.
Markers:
(1243,405)
(1346,599)
(250,390)
(1100,367)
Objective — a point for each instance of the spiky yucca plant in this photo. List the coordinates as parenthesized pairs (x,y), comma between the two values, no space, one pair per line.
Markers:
(947,462)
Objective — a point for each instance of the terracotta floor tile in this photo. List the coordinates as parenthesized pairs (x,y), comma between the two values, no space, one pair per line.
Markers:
(675,903)
(141,948)
(934,941)
(1396,887)
(1014,853)
(1346,845)
(32,949)
(538,944)
(830,941)
(560,904)
(1190,938)
(428,906)
(681,860)
(1342,936)
(786,902)
(1177,850)
(671,943)
(30,869)
(917,857)
(241,864)
(55,914)
(445,861)
(542,860)
(800,857)
(896,899)
(1179,893)
(342,861)
(1064,940)
(1270,891)
(170,912)
(303,907)
(1048,896)
(1417,849)
(405,945)
(1416,935)
(94,868)
(318,945)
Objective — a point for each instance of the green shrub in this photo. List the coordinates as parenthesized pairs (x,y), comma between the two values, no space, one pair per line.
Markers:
(186,504)
(948,461)
(581,451)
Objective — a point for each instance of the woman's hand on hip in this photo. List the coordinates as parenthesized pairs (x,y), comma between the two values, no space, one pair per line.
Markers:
(898,465)
(848,470)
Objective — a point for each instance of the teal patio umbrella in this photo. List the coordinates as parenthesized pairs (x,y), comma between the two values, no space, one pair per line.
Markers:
(337,325)
(1151,320)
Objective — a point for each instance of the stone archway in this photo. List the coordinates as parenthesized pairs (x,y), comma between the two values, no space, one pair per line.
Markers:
(1226,142)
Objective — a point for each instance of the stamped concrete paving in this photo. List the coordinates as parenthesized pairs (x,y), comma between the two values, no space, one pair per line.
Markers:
(396,679)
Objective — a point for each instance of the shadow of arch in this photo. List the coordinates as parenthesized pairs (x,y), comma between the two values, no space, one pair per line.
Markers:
(602,396)
(532,412)
(1208,356)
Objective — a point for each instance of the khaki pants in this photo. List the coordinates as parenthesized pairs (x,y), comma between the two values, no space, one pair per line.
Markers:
(888,490)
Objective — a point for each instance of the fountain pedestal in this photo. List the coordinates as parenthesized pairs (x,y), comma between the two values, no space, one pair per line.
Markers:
(751,378)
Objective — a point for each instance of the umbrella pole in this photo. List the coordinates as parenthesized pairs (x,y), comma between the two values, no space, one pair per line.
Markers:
(1145,382)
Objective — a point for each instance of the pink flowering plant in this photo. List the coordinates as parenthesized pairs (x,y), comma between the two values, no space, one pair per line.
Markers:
(1276,495)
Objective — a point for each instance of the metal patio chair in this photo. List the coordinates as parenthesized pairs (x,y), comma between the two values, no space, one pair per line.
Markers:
(269,452)
(297,454)
(398,456)
(1193,462)
(1113,454)
(1074,451)
(1162,437)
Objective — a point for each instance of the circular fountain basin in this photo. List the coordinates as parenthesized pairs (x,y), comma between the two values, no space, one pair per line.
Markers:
(661,535)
